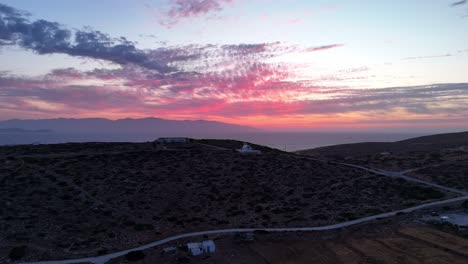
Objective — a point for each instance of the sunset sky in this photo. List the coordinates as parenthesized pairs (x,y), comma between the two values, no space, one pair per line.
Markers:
(275,64)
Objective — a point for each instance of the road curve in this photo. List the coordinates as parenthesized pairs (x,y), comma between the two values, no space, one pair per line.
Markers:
(105,258)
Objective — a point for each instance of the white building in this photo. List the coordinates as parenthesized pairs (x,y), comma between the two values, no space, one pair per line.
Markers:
(248,150)
(205,247)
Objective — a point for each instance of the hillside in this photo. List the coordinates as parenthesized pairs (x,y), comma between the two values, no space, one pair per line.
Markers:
(419,144)
(441,159)
(70,200)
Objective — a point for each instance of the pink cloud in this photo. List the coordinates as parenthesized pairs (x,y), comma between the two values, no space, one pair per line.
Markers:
(261,90)
(216,82)
(295,21)
(199,81)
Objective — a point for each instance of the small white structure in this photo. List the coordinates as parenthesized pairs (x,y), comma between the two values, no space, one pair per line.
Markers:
(246,149)
(205,247)
(444,218)
(173,140)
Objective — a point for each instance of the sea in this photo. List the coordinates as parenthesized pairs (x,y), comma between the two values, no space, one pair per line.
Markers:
(290,141)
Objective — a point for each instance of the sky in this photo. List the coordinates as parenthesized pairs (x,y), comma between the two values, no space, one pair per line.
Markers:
(283,65)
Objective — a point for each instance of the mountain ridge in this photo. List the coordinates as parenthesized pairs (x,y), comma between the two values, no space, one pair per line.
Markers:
(126,125)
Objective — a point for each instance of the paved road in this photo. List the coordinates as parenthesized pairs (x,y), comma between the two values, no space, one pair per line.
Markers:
(105,258)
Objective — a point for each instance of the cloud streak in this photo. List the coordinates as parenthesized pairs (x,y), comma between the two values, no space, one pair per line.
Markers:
(462,2)
(428,57)
(325,47)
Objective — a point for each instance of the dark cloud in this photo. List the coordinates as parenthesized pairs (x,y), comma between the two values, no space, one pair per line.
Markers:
(326,47)
(462,2)
(459,4)
(181,9)
(46,37)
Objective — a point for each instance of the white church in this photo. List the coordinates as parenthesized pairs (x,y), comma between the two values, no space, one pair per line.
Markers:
(247,149)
